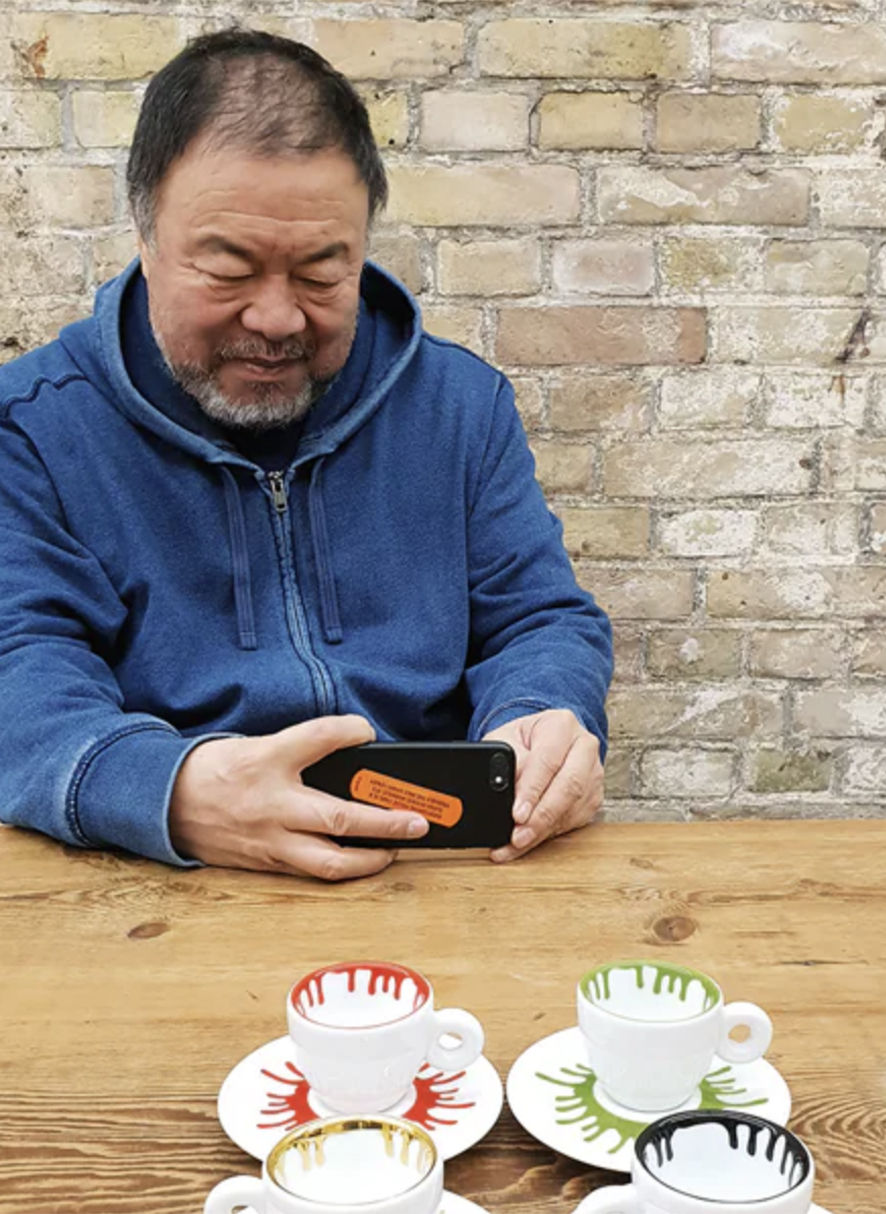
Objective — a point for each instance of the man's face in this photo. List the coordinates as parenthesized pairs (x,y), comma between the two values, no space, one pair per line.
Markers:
(253,276)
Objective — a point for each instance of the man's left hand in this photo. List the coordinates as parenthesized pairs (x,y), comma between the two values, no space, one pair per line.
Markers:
(559,777)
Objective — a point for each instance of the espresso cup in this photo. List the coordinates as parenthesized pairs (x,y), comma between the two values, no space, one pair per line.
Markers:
(362,1029)
(712,1163)
(341,1165)
(651,1031)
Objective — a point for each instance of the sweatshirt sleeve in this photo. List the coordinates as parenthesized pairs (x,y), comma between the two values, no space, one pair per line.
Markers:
(73,763)
(537,639)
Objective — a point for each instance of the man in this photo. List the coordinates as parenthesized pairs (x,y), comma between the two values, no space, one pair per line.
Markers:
(251,513)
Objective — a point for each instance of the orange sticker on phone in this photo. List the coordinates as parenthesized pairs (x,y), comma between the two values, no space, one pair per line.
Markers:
(391,793)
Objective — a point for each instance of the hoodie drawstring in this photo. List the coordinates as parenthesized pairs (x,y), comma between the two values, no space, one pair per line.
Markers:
(332,630)
(240,563)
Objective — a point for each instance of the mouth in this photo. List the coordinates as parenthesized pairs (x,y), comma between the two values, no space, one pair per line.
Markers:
(266,368)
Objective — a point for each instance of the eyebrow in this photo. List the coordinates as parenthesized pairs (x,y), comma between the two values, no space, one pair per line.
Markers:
(223,245)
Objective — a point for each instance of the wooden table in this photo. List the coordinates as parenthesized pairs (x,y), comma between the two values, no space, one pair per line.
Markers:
(130,989)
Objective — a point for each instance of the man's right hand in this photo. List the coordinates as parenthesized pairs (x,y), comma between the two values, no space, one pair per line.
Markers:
(240,803)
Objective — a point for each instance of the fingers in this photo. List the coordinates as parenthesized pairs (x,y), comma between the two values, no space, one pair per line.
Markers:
(306,855)
(310,741)
(320,813)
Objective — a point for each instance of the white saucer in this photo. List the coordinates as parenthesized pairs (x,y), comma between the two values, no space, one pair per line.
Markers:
(553,1094)
(453,1204)
(264,1096)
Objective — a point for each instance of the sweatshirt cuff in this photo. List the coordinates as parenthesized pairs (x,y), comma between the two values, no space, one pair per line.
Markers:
(120,793)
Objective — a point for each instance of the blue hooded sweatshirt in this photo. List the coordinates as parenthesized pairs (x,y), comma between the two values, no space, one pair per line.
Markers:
(161,584)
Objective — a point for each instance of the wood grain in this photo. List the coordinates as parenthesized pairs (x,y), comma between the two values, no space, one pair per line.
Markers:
(129,990)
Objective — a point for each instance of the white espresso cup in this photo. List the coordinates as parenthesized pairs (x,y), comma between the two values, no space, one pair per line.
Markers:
(651,1031)
(703,1162)
(341,1165)
(362,1029)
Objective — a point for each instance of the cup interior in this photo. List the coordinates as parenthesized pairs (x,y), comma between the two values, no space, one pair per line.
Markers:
(357,994)
(352,1160)
(652,991)
(723,1156)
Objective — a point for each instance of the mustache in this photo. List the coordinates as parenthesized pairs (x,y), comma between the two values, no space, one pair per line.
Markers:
(291,349)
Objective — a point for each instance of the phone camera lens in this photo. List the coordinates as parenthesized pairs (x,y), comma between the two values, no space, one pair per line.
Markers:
(498,772)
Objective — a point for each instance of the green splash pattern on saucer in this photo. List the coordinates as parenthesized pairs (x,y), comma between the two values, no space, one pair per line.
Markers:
(718,1090)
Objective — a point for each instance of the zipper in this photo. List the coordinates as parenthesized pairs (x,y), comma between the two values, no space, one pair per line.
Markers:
(278,490)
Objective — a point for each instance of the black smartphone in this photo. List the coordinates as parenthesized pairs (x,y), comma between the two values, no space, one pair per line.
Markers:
(464,789)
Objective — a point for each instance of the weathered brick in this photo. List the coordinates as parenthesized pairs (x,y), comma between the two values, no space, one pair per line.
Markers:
(395,48)
(29,119)
(687,772)
(590,120)
(456,323)
(602,531)
(23,329)
(804,400)
(810,529)
(672,468)
(704,712)
(780,334)
(489,267)
(708,653)
(865,770)
(554,336)
(401,254)
(868,655)
(724,194)
(808,122)
(603,267)
(562,467)
(388,116)
(494,195)
(94,46)
(592,401)
(755,594)
(852,200)
(105,120)
(602,50)
(870,463)
(842,712)
(707,122)
(629,648)
(641,593)
(474,121)
(111,253)
(529,398)
(778,771)
(700,263)
(693,399)
(68,196)
(800,52)
(31,263)
(877,527)
(795,653)
(707,532)
(860,590)
(816,267)
(619,762)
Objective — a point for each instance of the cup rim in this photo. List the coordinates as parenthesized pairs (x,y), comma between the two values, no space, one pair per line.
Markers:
(342,967)
(350,1121)
(672,967)
(726,1117)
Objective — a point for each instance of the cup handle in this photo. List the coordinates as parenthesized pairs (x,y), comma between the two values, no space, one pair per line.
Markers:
(234,1194)
(749,1016)
(462,1024)
(614,1199)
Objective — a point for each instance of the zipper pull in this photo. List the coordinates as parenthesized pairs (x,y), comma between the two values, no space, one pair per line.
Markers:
(278,489)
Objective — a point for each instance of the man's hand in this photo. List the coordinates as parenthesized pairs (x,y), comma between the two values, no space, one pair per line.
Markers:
(240,803)
(559,777)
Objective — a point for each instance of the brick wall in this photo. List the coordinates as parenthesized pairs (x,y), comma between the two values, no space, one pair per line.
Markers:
(663,220)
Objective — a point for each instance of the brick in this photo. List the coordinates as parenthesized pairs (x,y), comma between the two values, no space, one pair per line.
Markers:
(810,529)
(391,49)
(816,267)
(648,810)
(600,402)
(592,121)
(702,399)
(31,263)
(715,712)
(870,464)
(474,121)
(865,770)
(29,119)
(489,267)
(842,712)
(672,468)
(687,772)
(606,336)
(401,254)
(797,653)
(67,196)
(860,591)
(24,329)
(388,116)
(707,532)
(868,656)
(111,253)
(805,400)
(707,122)
(794,335)
(756,594)
(603,267)
(602,531)
(724,194)
(619,762)
(456,323)
(680,653)
(779,771)
(562,467)
(877,528)
(494,195)
(94,46)
(642,593)
(105,120)
(800,52)
(852,200)
(807,122)
(581,48)
(698,263)
(529,399)
(629,647)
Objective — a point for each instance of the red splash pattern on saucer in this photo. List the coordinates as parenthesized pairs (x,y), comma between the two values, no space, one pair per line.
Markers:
(436,1094)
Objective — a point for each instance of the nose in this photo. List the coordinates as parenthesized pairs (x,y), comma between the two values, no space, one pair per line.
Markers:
(273,309)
